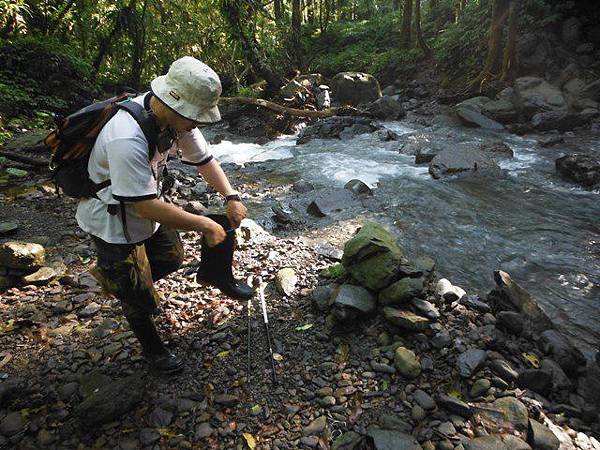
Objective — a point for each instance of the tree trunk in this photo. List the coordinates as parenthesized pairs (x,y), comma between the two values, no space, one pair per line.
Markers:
(296,30)
(406,30)
(509,62)
(420,40)
(493,60)
(106,41)
(137,31)
(342,110)
(433,4)
(231,10)
(279,12)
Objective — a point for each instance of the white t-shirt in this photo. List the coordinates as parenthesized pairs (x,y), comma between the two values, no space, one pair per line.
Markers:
(121,154)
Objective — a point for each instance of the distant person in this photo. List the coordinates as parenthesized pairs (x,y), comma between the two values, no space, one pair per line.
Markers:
(133,229)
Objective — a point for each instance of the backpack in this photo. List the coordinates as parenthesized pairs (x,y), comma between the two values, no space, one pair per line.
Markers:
(72,143)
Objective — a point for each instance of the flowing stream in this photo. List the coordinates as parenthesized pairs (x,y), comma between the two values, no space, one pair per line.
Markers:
(544,231)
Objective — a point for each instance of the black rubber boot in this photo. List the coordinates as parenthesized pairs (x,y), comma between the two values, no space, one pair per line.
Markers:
(215,264)
(155,352)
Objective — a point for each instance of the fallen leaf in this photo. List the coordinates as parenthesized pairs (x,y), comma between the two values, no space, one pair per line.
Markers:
(277,357)
(532,359)
(8,326)
(304,327)
(223,354)
(250,440)
(453,392)
(342,353)
(256,409)
(5,360)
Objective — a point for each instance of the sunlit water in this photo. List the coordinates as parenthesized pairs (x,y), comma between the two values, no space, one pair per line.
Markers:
(545,232)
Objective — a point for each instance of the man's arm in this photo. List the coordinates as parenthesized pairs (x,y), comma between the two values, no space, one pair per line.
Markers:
(214,175)
(172,216)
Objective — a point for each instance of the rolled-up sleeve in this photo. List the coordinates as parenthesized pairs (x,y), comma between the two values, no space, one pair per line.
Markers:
(195,150)
(131,174)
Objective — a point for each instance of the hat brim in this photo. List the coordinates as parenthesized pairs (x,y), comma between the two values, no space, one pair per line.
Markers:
(189,111)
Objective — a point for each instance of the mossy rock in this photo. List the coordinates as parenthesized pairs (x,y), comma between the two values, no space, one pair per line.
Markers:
(372,257)
(401,292)
(334,272)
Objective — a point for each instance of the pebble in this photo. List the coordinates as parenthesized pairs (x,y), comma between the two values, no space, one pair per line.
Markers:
(417,413)
(480,387)
(316,427)
(89,310)
(149,436)
(504,370)
(12,424)
(424,400)
(470,361)
(203,430)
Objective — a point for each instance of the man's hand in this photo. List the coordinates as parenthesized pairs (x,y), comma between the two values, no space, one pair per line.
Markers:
(236,212)
(213,233)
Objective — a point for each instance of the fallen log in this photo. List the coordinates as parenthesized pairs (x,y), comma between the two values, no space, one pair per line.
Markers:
(338,111)
(35,162)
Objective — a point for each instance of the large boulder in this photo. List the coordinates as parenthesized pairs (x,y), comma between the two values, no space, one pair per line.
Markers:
(393,440)
(22,255)
(386,108)
(352,302)
(558,120)
(401,292)
(581,169)
(568,357)
(354,88)
(462,161)
(372,257)
(337,127)
(537,95)
(470,114)
(328,203)
(501,110)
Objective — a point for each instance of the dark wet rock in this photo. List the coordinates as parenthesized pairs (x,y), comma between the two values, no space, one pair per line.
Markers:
(508,295)
(348,441)
(195,207)
(336,127)
(549,141)
(316,427)
(354,88)
(382,368)
(12,424)
(358,187)
(454,405)
(8,228)
(581,169)
(386,135)
(591,91)
(537,380)
(405,320)
(470,361)
(11,389)
(426,308)
(420,267)
(568,357)
(510,321)
(321,296)
(89,310)
(508,409)
(406,363)
(560,380)
(497,148)
(503,369)
(441,340)
(462,161)
(424,400)
(393,440)
(149,436)
(537,95)
(302,187)
(160,418)
(329,203)
(480,387)
(386,108)
(502,110)
(351,302)
(124,395)
(401,292)
(227,399)
(497,442)
(372,256)
(92,383)
(203,430)
(471,116)
(558,120)
(22,255)
(474,302)
(540,437)
(283,214)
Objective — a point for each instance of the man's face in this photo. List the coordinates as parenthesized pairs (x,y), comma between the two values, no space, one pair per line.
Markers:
(179,123)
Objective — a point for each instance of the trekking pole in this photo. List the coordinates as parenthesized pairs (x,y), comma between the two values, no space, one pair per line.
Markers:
(248,306)
(263,305)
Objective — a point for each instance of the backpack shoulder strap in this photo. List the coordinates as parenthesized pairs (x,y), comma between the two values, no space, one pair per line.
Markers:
(145,121)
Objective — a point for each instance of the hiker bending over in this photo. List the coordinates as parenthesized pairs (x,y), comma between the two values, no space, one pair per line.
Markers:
(133,229)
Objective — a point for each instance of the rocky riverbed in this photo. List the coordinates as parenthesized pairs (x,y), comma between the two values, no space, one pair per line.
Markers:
(403,360)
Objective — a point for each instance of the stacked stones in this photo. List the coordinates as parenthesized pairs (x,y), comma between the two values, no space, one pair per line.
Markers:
(23,262)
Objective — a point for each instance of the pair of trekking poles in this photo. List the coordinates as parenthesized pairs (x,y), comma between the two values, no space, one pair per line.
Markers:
(257,283)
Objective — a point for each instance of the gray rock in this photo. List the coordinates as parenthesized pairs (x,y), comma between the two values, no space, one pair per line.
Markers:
(462,161)
(303,187)
(358,187)
(549,141)
(473,118)
(591,91)
(536,95)
(195,207)
(581,169)
(503,369)
(497,442)
(393,440)
(12,424)
(510,321)
(470,361)
(283,214)
(497,148)
(571,31)
(203,430)
(160,418)
(8,228)
(382,368)
(286,280)
(417,413)
(401,292)
(424,400)
(386,108)
(454,405)
(568,357)
(92,382)
(149,436)
(558,120)
(348,441)
(321,296)
(441,340)
(354,88)
(329,203)
(560,380)
(426,308)
(539,381)
(480,387)
(356,298)
(501,110)
(124,395)
(316,427)
(11,389)
(89,310)
(406,320)
(540,437)
(22,255)
(227,399)
(406,363)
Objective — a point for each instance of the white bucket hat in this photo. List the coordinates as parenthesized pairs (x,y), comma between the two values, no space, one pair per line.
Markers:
(191,89)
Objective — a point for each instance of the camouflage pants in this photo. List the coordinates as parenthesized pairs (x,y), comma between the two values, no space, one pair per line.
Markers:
(128,271)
